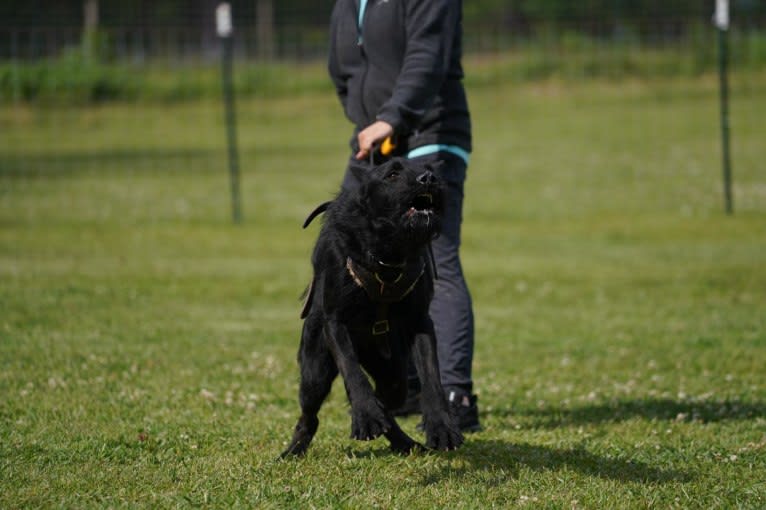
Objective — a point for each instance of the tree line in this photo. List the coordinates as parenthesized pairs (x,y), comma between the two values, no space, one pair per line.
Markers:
(279,28)
(513,13)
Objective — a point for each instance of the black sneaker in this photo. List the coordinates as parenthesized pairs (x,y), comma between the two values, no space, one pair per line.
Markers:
(465,410)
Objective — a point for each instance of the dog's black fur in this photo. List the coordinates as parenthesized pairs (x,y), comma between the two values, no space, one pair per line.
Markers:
(377,232)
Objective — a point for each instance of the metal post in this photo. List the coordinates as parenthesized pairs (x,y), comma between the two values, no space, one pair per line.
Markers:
(15,57)
(224,26)
(90,29)
(722,22)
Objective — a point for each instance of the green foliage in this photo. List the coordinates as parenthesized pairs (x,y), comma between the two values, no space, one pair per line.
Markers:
(73,78)
(568,55)
(572,56)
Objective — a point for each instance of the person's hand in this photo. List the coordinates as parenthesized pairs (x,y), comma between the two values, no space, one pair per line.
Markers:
(371,135)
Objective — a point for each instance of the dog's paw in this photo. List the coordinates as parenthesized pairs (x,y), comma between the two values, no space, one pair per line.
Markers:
(442,434)
(368,421)
(294,450)
(401,443)
(407,447)
(302,436)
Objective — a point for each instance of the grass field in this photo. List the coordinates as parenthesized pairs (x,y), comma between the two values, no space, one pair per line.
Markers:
(147,346)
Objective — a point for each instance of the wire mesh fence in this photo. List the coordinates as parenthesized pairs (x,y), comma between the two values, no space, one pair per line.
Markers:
(136,95)
(298,36)
(171,52)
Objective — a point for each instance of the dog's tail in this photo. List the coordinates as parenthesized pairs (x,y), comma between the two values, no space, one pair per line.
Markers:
(316,212)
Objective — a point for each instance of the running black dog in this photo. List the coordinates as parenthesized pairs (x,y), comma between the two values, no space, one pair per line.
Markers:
(366,309)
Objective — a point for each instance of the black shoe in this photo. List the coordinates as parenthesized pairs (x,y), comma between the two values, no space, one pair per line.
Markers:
(465,410)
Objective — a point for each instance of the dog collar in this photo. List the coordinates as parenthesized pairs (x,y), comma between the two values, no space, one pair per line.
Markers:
(386,290)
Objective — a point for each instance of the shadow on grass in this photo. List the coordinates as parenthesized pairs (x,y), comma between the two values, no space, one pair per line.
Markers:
(174,160)
(504,460)
(498,461)
(703,411)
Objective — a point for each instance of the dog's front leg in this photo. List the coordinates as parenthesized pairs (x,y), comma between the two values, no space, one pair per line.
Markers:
(438,424)
(368,417)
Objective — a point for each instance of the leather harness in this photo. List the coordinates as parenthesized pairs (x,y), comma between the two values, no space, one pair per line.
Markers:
(383,289)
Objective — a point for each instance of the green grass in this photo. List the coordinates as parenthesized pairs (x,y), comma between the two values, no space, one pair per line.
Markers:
(147,345)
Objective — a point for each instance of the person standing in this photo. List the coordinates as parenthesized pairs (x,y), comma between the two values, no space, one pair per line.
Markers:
(396,66)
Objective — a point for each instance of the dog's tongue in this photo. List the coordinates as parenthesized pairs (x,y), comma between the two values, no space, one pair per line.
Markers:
(410,212)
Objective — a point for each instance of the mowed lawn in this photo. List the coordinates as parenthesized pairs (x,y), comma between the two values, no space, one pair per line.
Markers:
(147,345)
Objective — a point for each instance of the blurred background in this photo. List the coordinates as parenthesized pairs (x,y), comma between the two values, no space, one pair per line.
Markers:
(61,60)
(140,32)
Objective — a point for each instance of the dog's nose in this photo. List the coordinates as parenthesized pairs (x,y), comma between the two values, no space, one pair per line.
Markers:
(427,177)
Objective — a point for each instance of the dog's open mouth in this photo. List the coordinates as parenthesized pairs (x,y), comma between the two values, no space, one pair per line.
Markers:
(422,204)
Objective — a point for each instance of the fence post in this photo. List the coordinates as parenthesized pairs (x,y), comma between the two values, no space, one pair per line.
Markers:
(264,29)
(15,58)
(224,29)
(90,29)
(721,18)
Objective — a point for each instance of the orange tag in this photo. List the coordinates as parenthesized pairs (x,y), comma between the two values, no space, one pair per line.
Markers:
(387,147)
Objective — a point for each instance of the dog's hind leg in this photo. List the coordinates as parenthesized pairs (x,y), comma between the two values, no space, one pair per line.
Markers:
(391,390)
(318,371)
(400,442)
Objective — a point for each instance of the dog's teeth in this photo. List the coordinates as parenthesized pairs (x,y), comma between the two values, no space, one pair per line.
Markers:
(427,197)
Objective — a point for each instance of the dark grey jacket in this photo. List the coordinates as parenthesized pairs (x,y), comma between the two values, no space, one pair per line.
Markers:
(402,67)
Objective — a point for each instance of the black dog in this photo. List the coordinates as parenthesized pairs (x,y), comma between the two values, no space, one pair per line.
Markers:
(367,308)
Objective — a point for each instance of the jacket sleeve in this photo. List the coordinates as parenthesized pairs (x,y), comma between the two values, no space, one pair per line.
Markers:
(430,30)
(339,79)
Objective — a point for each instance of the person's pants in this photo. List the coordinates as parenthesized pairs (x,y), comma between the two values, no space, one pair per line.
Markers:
(451,308)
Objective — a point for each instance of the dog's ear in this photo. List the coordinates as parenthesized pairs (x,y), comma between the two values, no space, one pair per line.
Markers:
(316,212)
(358,172)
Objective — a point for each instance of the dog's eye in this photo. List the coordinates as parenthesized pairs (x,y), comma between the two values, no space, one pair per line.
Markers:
(392,175)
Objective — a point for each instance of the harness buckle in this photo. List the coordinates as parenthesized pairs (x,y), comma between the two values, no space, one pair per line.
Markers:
(380,327)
